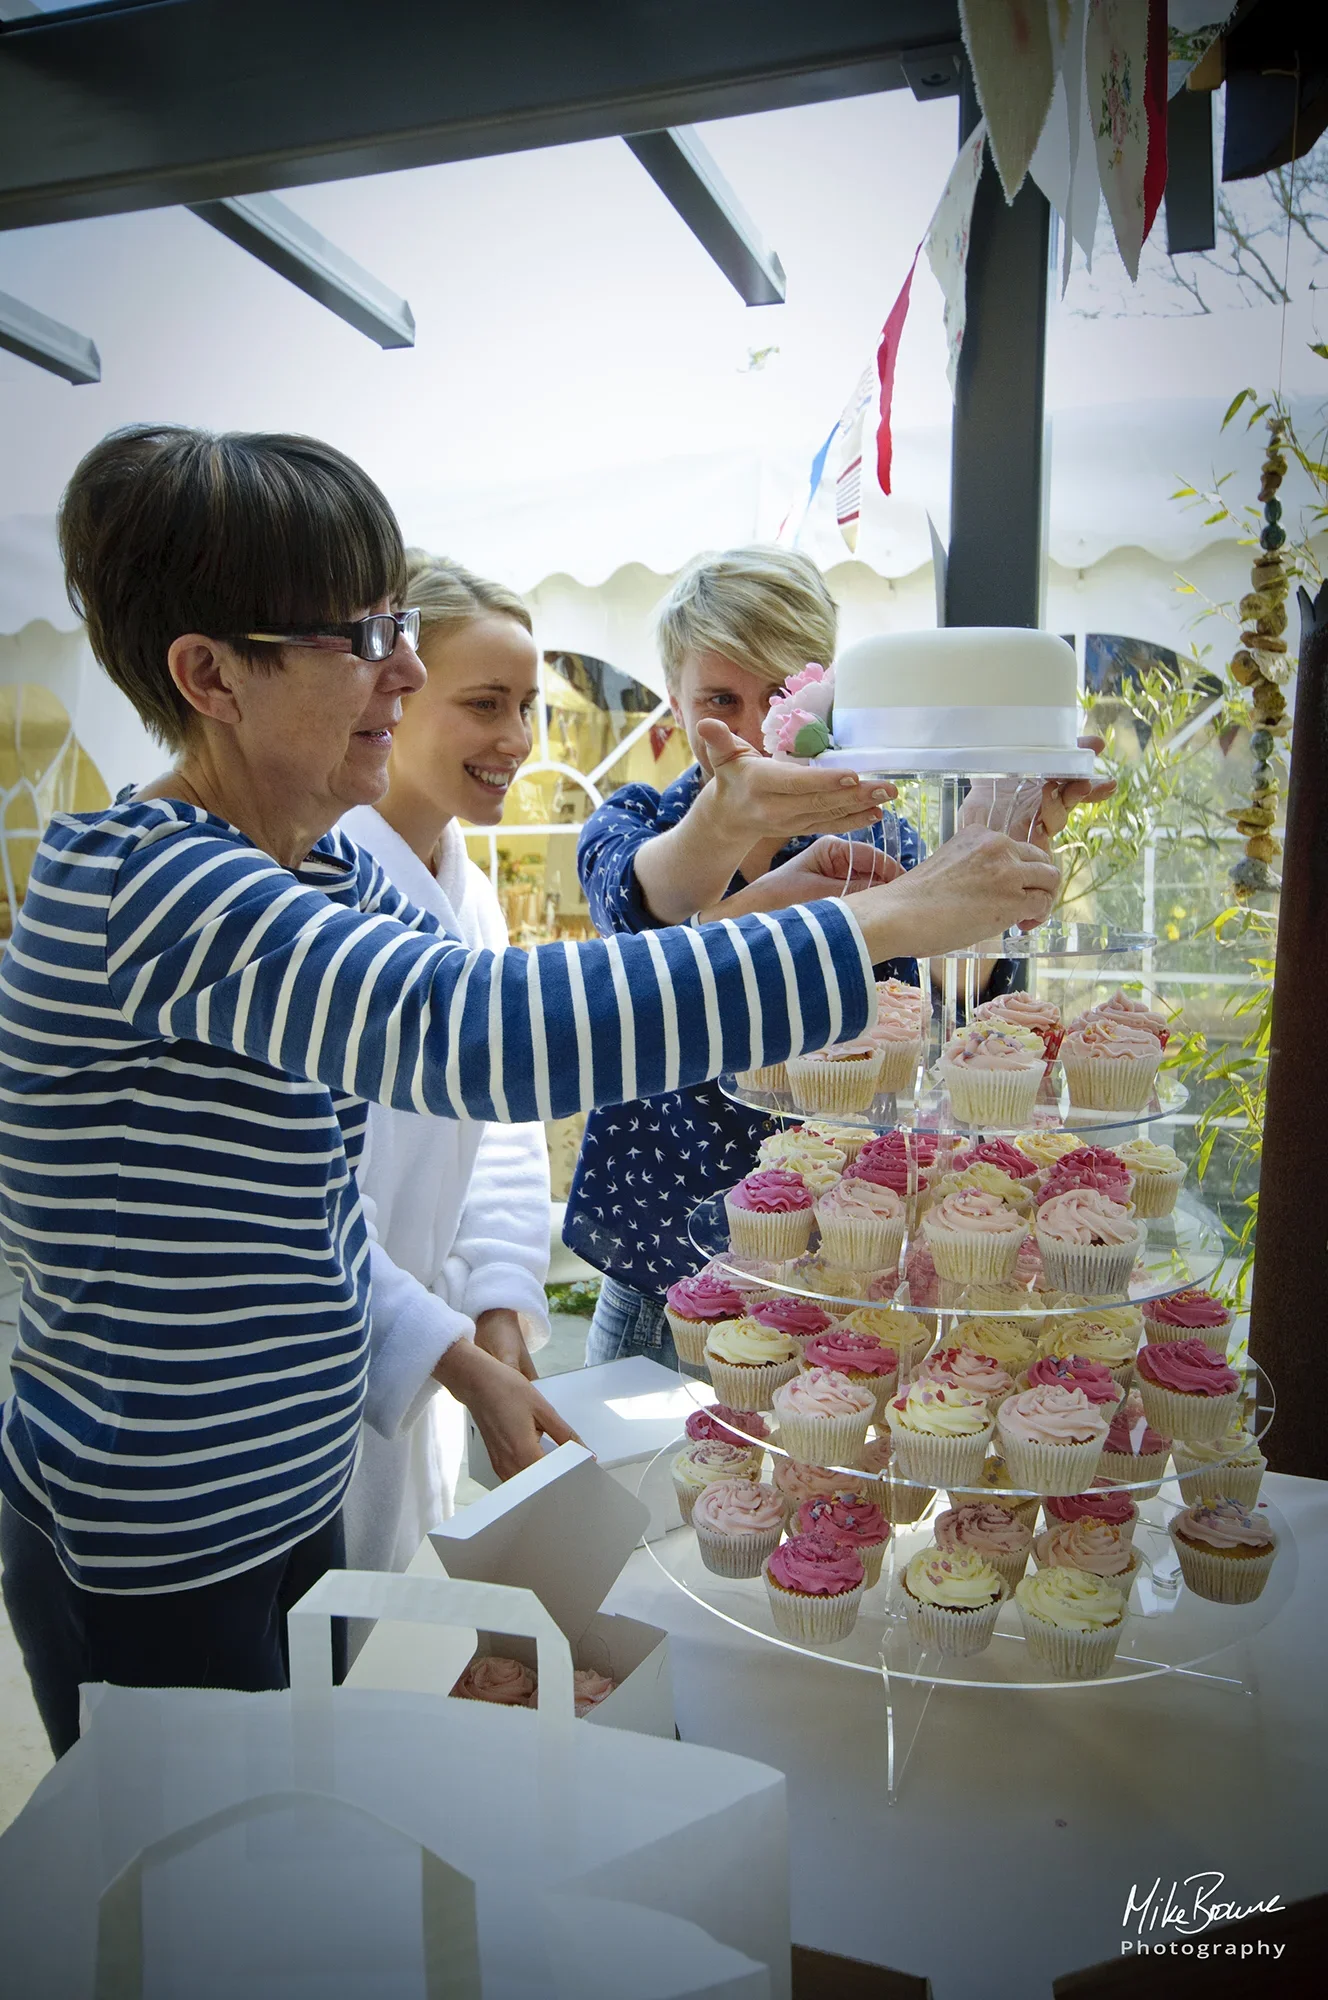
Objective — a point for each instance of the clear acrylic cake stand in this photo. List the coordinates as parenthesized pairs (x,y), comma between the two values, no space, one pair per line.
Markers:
(1169,1631)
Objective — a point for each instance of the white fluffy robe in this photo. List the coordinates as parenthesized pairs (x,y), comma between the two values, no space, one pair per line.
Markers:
(458,1214)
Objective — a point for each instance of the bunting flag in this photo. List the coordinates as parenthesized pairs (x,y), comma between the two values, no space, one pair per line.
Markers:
(946,241)
(1010,53)
(1115,65)
(848,478)
(1155,106)
(887,354)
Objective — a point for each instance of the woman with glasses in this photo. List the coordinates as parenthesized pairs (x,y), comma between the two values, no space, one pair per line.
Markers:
(206,988)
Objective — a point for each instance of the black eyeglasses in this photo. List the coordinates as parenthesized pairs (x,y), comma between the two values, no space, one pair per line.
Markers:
(371,638)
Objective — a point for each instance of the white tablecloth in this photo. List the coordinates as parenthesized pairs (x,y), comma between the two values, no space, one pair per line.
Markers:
(1024,1818)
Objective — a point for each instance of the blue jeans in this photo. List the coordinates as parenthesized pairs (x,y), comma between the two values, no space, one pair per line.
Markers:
(629,1322)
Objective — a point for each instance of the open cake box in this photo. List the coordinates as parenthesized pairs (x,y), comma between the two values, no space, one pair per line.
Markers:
(564,1528)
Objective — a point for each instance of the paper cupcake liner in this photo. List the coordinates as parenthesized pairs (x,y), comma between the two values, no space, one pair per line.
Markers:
(900,1062)
(1115,1083)
(825,1440)
(748,1388)
(1155,1194)
(1143,1476)
(816,1621)
(834,1087)
(1090,1270)
(735,1555)
(960,1634)
(1203,1419)
(1198,1479)
(1161,1335)
(1051,1468)
(1071,1656)
(940,1461)
(1222,1579)
(991,1096)
(689,1337)
(1010,1568)
(770,1076)
(862,1243)
(972,1256)
(776,1238)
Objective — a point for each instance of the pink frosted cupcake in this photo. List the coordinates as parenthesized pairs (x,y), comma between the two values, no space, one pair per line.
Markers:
(842,1081)
(862,1225)
(1021,1010)
(1187,1389)
(1110,1065)
(898,1034)
(770,1214)
(799,1318)
(973,1236)
(853,1522)
(589,1689)
(1134,1452)
(493,1677)
(864,1359)
(738,1525)
(1102,1502)
(1097,1546)
(998,1153)
(815,1588)
(963,1368)
(991,1532)
(700,1465)
(1051,1438)
(1093,1377)
(795,1481)
(693,1305)
(721,1425)
(1135,1013)
(1095,1167)
(1189,1315)
(1088,1243)
(993,1075)
(1225,1554)
(823,1417)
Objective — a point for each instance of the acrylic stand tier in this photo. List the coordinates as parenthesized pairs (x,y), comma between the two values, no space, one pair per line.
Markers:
(1169,1631)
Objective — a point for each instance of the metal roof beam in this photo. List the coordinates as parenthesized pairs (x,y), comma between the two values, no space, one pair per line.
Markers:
(295,250)
(687,176)
(47,343)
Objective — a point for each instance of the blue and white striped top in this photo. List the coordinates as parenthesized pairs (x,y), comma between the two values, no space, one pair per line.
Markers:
(188,1035)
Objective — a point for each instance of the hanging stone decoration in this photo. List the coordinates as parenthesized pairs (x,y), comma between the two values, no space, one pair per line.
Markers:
(1264,666)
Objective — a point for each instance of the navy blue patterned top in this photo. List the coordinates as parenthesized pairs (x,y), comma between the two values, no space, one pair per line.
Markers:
(645,1166)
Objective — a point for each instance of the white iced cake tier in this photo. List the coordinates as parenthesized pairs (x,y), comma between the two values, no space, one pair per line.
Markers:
(967,698)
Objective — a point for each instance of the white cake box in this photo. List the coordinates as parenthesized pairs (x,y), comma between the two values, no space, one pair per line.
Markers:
(564,1529)
(625,1412)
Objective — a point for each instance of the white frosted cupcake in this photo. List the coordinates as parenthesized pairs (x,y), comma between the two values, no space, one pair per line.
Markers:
(1109,1334)
(1012,1342)
(815,1588)
(738,1525)
(952,1600)
(1158,1172)
(983,1529)
(1225,1554)
(861,1225)
(798,1147)
(908,1334)
(748,1361)
(939,1436)
(1051,1438)
(1072,1621)
(699,1465)
(846,1139)
(962,1368)
(1109,1065)
(993,1072)
(974,1236)
(1227,1468)
(842,1080)
(823,1417)
(1088,1243)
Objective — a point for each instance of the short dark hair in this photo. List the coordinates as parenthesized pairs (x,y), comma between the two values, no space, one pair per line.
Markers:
(165,530)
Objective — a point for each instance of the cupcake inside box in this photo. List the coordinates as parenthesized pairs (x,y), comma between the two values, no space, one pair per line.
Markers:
(565,1528)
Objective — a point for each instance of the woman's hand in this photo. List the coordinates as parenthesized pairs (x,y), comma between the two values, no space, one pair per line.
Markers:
(498,1332)
(820,870)
(752,796)
(972,888)
(510,1413)
(1031,811)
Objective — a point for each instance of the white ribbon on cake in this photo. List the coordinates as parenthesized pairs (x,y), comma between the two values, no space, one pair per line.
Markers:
(957,729)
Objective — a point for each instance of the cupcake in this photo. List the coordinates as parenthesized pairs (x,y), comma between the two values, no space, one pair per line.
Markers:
(881,1481)
(939,1436)
(738,1525)
(493,1677)
(852,1522)
(1097,1546)
(865,1360)
(795,1481)
(1051,1438)
(961,1368)
(1230,1468)
(750,1276)
(1102,1502)
(1010,1341)
(1109,1334)
(1096,1167)
(721,1425)
(1045,1148)
(1158,1172)
(767,1076)
(1135,1013)
(988,1178)
(815,1587)
(844,1079)
(1224,1553)
(1110,1065)
(748,1361)
(1187,1390)
(861,1225)
(901,995)
(846,1139)
(800,1319)
(894,1327)
(996,1489)
(693,1305)
(1093,1377)
(838,1289)
(998,1153)
(800,1151)
(983,1529)
(1134,1452)
(898,1034)
(1072,1621)
(1189,1315)
(952,1601)
(1088,1244)
(700,1465)
(973,1235)
(993,1075)
(823,1417)
(769,1214)
(589,1689)
(1021,1010)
